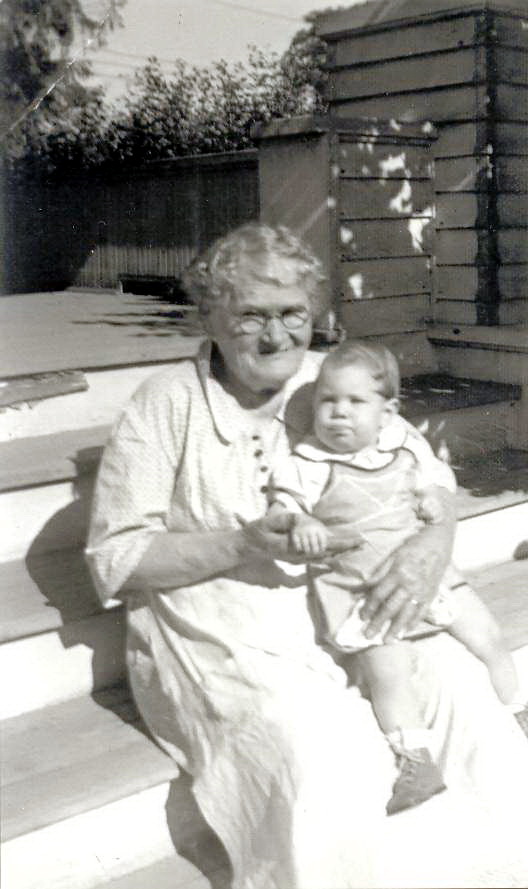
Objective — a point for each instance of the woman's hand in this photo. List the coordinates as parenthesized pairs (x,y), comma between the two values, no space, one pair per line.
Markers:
(402,596)
(270,536)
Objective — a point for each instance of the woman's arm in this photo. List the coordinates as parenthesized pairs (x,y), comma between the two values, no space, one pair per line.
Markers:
(404,593)
(175,559)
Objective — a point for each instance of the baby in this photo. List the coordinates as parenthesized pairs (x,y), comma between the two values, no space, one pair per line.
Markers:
(359,471)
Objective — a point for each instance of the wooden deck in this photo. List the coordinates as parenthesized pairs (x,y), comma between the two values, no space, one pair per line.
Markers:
(70,330)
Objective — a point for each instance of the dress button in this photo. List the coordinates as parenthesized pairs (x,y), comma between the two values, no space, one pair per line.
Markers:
(258,453)
(264,489)
(255,437)
(264,468)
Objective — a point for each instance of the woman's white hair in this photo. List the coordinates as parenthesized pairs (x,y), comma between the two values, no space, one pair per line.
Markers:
(253,252)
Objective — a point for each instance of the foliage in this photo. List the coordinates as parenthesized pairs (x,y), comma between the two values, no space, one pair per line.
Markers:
(194,110)
(42,93)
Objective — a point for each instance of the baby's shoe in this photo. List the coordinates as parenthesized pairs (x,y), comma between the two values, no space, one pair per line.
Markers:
(419,780)
(522,718)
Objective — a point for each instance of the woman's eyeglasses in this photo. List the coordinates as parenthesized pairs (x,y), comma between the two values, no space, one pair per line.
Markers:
(253,322)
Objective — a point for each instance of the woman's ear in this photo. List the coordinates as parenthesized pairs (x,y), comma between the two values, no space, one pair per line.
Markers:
(391,407)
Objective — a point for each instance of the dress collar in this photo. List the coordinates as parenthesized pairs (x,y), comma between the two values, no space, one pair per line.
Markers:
(230,419)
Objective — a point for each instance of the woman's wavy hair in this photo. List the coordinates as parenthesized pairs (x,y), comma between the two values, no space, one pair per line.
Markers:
(256,252)
(374,357)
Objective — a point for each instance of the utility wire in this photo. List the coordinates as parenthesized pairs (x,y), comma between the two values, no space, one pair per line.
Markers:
(257,11)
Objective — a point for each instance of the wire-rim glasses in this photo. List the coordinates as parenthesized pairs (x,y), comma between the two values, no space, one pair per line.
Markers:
(254,322)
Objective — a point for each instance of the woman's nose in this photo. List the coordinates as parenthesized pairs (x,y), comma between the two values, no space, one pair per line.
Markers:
(274,332)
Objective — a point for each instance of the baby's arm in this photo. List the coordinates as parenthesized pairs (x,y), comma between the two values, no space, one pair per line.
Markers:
(295,485)
(308,535)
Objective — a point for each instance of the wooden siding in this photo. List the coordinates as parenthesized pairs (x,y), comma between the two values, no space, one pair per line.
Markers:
(465,68)
(95,231)
(361,191)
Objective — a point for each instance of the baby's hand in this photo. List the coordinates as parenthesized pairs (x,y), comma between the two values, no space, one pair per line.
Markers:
(309,536)
(430,508)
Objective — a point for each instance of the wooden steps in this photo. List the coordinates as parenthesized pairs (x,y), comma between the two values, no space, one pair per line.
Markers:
(72,767)
(483,353)
(90,801)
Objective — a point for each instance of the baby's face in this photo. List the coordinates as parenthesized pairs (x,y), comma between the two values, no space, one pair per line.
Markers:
(349,410)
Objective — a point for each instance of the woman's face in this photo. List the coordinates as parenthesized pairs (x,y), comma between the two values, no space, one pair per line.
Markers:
(263,359)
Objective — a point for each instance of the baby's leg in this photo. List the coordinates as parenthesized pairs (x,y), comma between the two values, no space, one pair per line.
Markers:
(478,630)
(387,672)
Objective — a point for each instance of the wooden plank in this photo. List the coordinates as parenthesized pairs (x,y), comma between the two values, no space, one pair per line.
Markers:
(45,592)
(456,247)
(513,281)
(513,245)
(510,31)
(464,66)
(455,311)
(460,210)
(375,160)
(459,312)
(42,459)
(383,198)
(512,66)
(383,15)
(71,771)
(363,239)
(448,104)
(503,589)
(512,210)
(36,388)
(511,138)
(458,139)
(44,332)
(512,173)
(179,873)
(463,173)
(370,317)
(384,277)
(511,102)
(455,282)
(416,39)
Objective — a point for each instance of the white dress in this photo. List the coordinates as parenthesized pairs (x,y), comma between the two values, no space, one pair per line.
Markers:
(289,766)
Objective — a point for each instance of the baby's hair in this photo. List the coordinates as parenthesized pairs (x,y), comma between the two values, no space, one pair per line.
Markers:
(375,358)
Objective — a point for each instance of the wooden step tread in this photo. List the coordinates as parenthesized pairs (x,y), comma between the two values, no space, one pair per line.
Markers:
(431,393)
(45,592)
(491,481)
(211,871)
(504,589)
(64,456)
(43,459)
(508,338)
(49,332)
(73,757)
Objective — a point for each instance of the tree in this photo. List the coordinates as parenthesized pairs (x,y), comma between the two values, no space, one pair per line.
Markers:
(42,89)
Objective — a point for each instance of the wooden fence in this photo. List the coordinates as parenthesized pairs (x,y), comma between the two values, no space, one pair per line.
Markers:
(148,223)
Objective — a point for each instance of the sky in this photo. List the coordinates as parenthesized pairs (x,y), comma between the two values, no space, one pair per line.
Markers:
(199,31)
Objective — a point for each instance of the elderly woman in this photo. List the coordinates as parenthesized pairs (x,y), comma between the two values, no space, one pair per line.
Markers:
(289,766)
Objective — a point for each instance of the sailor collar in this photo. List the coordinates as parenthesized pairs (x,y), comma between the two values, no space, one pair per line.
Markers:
(391,438)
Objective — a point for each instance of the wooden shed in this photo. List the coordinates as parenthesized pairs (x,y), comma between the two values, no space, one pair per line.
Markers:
(462,64)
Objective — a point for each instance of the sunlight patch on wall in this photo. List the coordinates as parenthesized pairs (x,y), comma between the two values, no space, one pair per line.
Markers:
(416,228)
(401,202)
(392,164)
